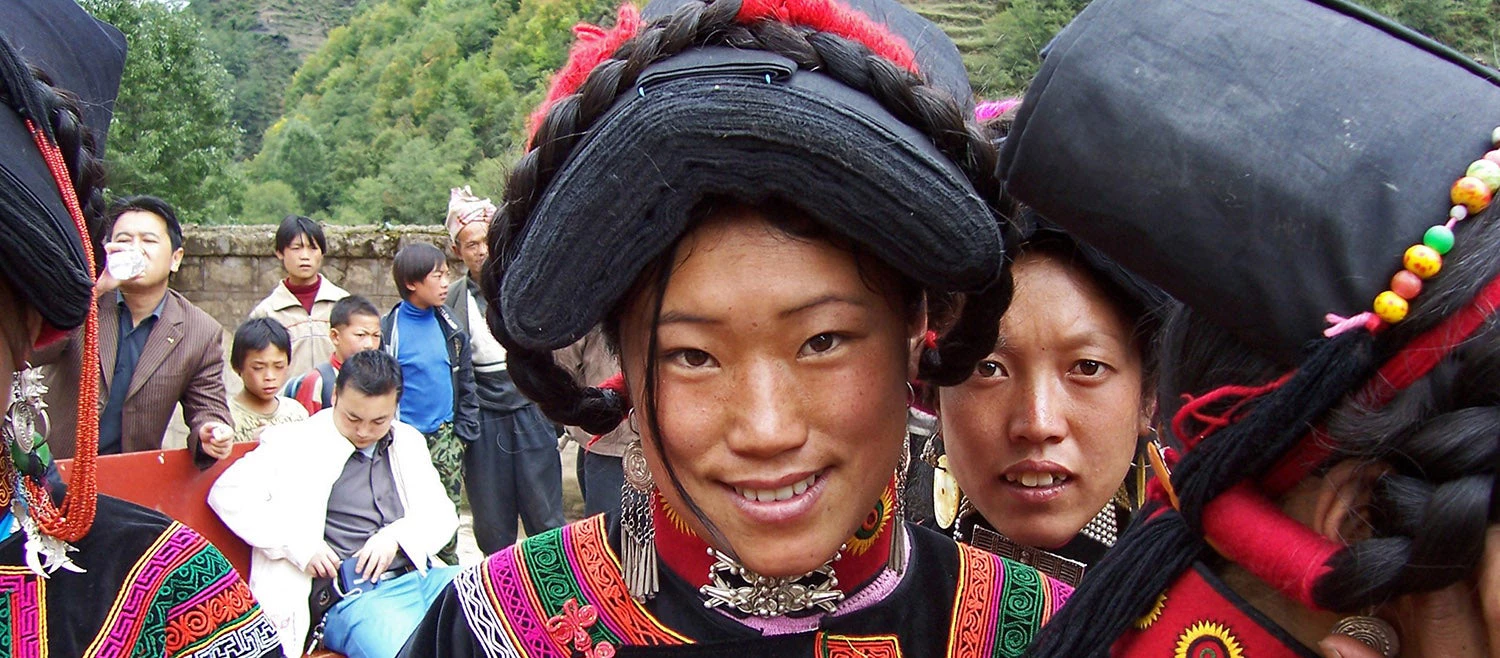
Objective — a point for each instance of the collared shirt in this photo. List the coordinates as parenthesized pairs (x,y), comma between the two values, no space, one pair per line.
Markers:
(364,499)
(132,342)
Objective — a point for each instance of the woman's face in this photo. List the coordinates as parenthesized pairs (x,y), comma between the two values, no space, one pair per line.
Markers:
(781,388)
(1043,432)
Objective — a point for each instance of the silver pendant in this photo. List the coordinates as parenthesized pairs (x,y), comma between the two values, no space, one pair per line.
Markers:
(26,419)
(45,555)
(766,596)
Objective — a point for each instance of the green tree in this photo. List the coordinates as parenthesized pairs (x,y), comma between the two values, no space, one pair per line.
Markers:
(413,97)
(172,135)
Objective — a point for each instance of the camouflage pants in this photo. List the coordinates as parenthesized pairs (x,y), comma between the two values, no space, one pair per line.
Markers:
(448,458)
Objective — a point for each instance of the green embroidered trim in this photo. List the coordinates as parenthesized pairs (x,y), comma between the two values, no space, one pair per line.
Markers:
(554,580)
(1023,603)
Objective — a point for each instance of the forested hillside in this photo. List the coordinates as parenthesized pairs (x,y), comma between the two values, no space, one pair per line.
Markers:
(367,111)
(261,43)
(407,100)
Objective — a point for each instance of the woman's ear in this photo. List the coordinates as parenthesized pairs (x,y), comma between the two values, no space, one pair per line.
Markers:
(1343,499)
(1146,424)
(916,341)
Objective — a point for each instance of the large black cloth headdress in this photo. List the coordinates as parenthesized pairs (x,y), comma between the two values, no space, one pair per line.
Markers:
(748,125)
(42,255)
(1264,176)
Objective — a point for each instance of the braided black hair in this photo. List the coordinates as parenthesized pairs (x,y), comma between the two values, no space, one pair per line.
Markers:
(713,22)
(29,92)
(1428,515)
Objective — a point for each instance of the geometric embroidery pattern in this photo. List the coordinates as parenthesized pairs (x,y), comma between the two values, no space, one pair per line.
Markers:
(864,646)
(25,612)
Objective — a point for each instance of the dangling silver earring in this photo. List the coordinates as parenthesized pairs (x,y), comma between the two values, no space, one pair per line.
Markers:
(26,419)
(638,546)
(897,559)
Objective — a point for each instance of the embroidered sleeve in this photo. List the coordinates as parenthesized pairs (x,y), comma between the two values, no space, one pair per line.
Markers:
(202,608)
(999,605)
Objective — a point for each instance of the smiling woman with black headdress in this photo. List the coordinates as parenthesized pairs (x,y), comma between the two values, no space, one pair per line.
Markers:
(753,199)
(88,575)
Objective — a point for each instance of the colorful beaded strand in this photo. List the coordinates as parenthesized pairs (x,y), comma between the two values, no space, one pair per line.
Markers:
(1471,194)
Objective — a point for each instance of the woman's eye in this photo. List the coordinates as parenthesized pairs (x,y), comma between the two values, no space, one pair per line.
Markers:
(1089,368)
(989,369)
(820,343)
(693,358)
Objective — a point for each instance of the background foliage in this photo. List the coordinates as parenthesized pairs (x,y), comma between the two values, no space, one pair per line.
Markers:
(367,111)
(172,135)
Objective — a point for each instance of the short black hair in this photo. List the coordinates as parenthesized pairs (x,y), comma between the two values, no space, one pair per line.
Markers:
(258,334)
(371,372)
(348,307)
(413,263)
(151,204)
(295,225)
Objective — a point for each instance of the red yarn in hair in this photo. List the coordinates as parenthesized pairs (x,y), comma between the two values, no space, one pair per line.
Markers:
(1412,363)
(1195,409)
(833,17)
(1251,531)
(596,44)
(616,384)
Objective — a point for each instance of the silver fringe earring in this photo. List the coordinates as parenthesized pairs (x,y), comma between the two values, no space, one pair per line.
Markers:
(897,560)
(638,546)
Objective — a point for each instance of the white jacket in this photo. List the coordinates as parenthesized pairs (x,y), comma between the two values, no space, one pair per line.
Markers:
(276,499)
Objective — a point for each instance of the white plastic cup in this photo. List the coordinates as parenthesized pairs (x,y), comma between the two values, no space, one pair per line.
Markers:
(126,264)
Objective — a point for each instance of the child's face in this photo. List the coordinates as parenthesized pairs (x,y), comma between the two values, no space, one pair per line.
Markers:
(302,259)
(362,333)
(432,290)
(264,371)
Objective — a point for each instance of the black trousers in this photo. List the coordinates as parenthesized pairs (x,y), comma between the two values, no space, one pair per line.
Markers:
(512,471)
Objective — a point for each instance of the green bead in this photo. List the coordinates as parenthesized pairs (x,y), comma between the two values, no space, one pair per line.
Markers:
(1440,238)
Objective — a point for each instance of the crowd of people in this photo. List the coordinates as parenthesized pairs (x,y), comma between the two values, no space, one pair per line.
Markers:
(1195,353)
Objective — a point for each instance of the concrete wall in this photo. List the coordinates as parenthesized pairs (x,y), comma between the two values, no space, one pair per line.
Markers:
(227,270)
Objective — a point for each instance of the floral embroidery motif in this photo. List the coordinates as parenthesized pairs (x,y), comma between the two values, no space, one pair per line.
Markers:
(572,626)
(1207,639)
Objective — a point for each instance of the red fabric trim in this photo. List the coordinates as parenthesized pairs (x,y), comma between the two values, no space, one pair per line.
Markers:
(1197,616)
(1246,527)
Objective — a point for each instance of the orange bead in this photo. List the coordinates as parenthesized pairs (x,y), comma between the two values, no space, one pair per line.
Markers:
(1471,193)
(1406,284)
(1423,261)
(1390,307)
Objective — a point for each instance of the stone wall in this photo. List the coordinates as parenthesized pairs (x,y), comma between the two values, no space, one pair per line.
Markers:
(227,270)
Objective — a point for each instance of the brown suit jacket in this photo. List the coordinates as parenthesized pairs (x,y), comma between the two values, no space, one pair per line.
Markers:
(183,361)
